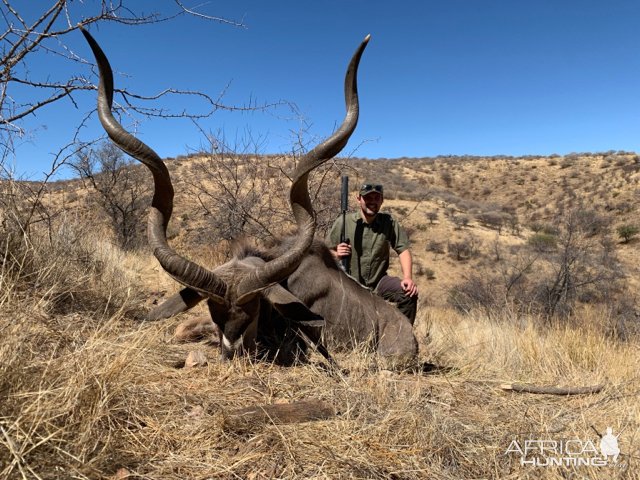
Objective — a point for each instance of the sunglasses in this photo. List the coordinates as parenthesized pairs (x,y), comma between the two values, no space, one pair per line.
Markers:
(368,188)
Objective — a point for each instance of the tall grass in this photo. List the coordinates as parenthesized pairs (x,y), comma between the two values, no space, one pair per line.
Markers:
(83,398)
(69,267)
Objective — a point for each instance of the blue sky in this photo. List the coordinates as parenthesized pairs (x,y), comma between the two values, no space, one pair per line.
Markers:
(438,77)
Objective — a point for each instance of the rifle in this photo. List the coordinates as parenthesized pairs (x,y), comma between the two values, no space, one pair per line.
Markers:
(344,206)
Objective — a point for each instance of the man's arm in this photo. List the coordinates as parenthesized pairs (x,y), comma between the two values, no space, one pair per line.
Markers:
(400,244)
(406,264)
(337,249)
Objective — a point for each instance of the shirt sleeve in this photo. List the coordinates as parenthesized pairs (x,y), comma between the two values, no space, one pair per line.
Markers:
(333,236)
(401,242)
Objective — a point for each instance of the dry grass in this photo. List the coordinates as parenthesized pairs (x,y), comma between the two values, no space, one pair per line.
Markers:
(87,390)
(84,396)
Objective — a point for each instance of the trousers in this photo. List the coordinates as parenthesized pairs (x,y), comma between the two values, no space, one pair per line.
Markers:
(391,290)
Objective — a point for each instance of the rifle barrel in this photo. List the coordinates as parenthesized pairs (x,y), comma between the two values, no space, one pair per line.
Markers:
(344,206)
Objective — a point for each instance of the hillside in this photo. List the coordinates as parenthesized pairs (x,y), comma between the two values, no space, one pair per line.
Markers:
(462,213)
(89,390)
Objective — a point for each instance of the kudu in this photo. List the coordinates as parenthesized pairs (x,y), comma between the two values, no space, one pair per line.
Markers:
(353,315)
(245,290)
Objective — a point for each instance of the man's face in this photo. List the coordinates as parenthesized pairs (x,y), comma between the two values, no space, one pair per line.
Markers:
(370,204)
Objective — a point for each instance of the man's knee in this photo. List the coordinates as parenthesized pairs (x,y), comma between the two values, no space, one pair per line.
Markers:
(391,290)
(409,307)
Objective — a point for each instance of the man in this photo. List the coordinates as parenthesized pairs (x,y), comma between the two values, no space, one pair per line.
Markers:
(369,235)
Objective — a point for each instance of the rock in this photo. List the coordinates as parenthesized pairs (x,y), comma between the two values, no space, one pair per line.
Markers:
(121,474)
(195,358)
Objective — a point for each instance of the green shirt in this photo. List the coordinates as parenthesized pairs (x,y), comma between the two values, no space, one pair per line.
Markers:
(370,244)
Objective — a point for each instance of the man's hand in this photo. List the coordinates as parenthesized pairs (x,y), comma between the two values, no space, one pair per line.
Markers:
(343,250)
(410,288)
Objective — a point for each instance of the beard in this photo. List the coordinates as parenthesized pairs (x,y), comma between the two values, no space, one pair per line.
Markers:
(371,210)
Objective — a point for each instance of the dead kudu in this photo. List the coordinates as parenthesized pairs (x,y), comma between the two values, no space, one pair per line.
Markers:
(353,315)
(267,299)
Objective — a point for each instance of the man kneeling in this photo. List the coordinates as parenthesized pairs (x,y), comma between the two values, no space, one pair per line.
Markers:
(369,235)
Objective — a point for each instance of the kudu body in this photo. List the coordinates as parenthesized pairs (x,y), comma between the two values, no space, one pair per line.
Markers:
(353,314)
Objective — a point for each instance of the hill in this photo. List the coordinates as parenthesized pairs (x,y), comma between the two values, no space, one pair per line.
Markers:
(466,216)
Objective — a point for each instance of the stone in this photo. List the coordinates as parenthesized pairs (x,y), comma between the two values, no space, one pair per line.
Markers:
(195,358)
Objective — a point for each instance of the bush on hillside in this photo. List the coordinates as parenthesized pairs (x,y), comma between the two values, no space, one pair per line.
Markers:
(549,277)
(627,232)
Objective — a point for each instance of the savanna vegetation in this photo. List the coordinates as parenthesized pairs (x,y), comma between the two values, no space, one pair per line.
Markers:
(535,285)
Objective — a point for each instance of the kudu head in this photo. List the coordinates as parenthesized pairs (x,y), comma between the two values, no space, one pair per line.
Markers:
(233,290)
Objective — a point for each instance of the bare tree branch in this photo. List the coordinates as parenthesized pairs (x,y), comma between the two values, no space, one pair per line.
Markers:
(192,11)
(24,39)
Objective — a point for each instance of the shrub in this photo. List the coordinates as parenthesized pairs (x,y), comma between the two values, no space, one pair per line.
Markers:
(460,221)
(122,190)
(567,163)
(564,270)
(542,242)
(493,220)
(447,178)
(473,293)
(435,246)
(422,271)
(541,227)
(590,222)
(464,249)
(627,232)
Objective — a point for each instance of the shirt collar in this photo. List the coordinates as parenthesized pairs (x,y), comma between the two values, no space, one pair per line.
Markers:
(358,218)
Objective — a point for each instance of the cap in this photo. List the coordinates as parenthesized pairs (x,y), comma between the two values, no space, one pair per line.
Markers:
(367,188)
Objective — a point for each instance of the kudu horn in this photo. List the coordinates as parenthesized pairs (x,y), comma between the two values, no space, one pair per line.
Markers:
(185,271)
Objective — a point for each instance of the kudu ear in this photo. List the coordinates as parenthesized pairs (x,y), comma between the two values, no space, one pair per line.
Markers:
(289,306)
(245,297)
(184,300)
